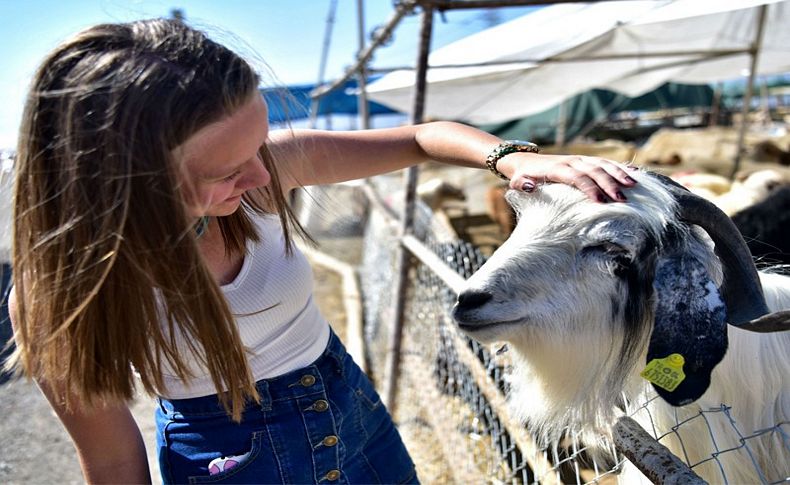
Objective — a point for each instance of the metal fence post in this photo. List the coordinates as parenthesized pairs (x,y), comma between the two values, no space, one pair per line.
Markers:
(407,222)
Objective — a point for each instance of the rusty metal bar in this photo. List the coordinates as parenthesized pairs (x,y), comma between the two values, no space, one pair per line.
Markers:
(410,182)
(651,457)
(754,51)
(382,35)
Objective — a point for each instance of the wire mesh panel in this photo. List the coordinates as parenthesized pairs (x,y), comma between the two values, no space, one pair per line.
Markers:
(450,404)
(710,440)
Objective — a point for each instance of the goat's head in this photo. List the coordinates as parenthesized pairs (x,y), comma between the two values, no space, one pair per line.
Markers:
(584,291)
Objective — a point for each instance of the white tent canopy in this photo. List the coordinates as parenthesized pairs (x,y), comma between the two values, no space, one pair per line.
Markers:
(534,62)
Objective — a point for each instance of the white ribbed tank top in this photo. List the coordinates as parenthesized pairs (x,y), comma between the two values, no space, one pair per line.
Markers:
(289,335)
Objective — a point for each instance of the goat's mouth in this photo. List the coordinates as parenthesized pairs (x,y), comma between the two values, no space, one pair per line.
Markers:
(480,330)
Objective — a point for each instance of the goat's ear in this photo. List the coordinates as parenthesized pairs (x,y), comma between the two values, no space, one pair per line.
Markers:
(690,321)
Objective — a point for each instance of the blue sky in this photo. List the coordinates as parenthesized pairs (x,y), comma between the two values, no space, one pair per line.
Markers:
(286,34)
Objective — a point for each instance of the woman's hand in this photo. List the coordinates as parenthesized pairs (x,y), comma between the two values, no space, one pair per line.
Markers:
(599,178)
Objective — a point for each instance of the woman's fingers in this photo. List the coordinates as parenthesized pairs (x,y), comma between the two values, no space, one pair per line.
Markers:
(618,172)
(523,183)
(600,179)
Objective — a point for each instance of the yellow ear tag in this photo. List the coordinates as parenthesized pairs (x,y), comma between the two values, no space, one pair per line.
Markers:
(666,373)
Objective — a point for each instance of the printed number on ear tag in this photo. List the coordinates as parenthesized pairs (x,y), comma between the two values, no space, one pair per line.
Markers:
(666,373)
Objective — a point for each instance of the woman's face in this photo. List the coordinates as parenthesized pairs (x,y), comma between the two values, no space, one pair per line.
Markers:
(221,161)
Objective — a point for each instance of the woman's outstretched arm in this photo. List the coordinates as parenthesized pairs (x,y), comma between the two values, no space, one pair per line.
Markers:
(313,157)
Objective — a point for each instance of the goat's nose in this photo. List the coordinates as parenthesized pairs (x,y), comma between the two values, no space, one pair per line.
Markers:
(468,300)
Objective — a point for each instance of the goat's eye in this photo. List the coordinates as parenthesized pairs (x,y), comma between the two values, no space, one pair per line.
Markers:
(606,248)
(613,252)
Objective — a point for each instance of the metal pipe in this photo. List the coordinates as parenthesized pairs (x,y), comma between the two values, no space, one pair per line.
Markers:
(707,54)
(407,223)
(747,96)
(362,95)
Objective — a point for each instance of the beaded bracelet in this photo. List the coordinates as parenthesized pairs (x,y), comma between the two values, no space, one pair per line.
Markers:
(506,148)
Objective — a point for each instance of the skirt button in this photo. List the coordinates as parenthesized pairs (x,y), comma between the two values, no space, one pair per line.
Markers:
(321,405)
(333,475)
(307,380)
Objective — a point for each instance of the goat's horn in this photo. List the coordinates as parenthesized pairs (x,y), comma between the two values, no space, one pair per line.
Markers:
(741,289)
(773,322)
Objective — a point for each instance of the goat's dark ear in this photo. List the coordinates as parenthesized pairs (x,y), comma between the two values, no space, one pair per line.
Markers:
(690,321)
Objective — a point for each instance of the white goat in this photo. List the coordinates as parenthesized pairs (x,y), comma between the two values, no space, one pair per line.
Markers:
(750,189)
(586,293)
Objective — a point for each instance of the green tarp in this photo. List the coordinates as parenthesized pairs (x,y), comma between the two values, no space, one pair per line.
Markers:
(584,110)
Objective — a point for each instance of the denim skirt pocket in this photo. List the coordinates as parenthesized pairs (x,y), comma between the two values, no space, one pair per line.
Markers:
(186,450)
(246,470)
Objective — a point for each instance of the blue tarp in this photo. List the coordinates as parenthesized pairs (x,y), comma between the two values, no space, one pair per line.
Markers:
(291,103)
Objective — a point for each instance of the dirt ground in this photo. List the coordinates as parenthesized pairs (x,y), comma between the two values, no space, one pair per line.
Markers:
(34,446)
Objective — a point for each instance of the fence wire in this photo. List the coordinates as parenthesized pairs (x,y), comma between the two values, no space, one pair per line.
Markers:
(450,406)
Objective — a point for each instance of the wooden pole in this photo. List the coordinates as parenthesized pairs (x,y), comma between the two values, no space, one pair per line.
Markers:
(747,96)
(407,223)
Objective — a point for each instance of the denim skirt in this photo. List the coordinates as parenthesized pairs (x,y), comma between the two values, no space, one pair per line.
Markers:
(321,424)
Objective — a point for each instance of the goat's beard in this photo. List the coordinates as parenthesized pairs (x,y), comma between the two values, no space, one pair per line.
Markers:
(579,390)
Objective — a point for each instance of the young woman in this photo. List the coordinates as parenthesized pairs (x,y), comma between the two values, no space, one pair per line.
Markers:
(152,246)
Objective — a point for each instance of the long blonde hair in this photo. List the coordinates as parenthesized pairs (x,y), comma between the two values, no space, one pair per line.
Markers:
(107,271)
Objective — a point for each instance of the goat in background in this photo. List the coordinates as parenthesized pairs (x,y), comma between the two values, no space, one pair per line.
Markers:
(586,294)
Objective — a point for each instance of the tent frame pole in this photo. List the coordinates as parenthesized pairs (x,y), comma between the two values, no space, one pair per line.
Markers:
(403,261)
(754,52)
(330,23)
(706,56)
